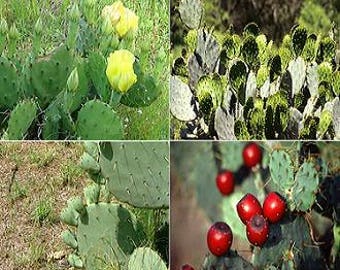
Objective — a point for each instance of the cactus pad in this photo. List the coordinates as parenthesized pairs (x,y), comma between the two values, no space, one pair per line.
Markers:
(299,40)
(96,120)
(191,13)
(21,119)
(145,258)
(137,172)
(250,51)
(231,261)
(9,84)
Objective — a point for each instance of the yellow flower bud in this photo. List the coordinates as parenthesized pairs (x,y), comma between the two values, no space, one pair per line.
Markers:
(120,71)
(73,81)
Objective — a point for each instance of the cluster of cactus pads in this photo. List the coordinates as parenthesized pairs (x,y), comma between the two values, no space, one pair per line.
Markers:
(107,234)
(64,93)
(306,238)
(230,86)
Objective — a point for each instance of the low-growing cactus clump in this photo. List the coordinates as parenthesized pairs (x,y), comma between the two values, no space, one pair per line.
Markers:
(73,91)
(284,208)
(230,86)
(122,222)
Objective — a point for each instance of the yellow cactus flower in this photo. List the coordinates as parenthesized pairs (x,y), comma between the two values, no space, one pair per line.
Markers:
(120,71)
(123,19)
(128,22)
(113,12)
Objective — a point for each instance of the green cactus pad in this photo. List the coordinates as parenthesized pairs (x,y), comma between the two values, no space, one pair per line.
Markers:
(299,40)
(137,172)
(326,51)
(92,193)
(88,163)
(21,119)
(211,85)
(251,29)
(309,51)
(231,261)
(97,121)
(101,244)
(281,170)
(238,78)
(241,131)
(51,123)
(49,76)
(142,93)
(250,51)
(290,236)
(230,47)
(9,84)
(97,67)
(69,239)
(75,261)
(325,122)
(145,259)
(307,181)
(275,68)
(191,12)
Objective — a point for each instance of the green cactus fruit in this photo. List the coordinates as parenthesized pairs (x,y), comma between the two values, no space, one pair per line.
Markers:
(250,51)
(21,119)
(9,84)
(299,40)
(275,68)
(325,72)
(191,40)
(191,13)
(48,77)
(92,193)
(238,78)
(326,51)
(99,244)
(309,51)
(96,120)
(281,171)
(241,131)
(325,121)
(75,261)
(306,184)
(97,67)
(232,261)
(69,239)
(251,29)
(145,258)
(137,173)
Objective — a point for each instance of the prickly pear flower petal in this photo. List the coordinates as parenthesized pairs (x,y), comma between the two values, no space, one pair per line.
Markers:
(128,22)
(114,12)
(120,72)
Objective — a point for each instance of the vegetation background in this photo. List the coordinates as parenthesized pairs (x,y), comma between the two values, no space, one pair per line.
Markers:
(152,47)
(274,17)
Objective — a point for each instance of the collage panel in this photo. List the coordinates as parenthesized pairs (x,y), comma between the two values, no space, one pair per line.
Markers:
(255,70)
(84,69)
(255,205)
(89,205)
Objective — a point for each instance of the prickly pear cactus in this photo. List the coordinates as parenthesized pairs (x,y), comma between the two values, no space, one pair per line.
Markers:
(71,84)
(299,75)
(105,231)
(299,172)
(135,172)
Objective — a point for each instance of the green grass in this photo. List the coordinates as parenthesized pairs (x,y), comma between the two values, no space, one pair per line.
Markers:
(152,46)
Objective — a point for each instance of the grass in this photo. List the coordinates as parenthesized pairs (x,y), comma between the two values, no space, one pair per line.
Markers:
(152,48)
(31,205)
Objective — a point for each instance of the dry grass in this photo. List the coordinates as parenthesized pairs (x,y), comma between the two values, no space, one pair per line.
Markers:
(36,179)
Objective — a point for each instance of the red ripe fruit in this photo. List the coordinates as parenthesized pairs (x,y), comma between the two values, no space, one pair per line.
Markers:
(219,238)
(257,230)
(248,207)
(187,267)
(225,182)
(252,155)
(274,207)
